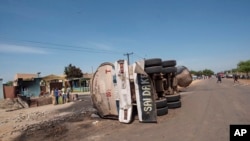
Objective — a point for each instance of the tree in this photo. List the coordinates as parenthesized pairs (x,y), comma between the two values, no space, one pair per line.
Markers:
(199,73)
(72,72)
(234,70)
(193,72)
(244,66)
(9,83)
(207,72)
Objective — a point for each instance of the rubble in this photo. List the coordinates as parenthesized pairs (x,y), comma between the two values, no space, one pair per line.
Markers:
(54,122)
(44,118)
(10,104)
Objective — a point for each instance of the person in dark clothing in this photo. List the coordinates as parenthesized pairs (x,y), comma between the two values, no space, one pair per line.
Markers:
(218,78)
(236,78)
(56,94)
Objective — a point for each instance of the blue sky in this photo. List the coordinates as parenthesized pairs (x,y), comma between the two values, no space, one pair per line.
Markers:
(47,35)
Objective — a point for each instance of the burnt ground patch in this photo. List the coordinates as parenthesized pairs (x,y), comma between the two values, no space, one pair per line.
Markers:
(55,129)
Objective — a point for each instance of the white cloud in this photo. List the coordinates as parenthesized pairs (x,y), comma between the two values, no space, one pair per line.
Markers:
(7,48)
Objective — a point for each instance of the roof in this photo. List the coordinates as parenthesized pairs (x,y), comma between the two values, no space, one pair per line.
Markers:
(53,77)
(88,75)
(25,76)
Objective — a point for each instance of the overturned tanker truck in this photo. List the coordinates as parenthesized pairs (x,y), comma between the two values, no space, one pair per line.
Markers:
(147,89)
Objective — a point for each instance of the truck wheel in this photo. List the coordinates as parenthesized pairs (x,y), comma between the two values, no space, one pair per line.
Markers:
(162,111)
(161,103)
(169,70)
(173,105)
(173,98)
(154,69)
(153,62)
(169,63)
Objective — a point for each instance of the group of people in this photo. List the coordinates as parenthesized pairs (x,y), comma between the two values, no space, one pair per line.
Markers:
(60,96)
(235,77)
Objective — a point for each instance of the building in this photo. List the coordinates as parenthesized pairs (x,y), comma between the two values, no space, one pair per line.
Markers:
(53,81)
(80,84)
(58,81)
(1,89)
(27,84)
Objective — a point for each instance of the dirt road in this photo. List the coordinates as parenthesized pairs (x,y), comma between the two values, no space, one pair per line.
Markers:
(208,108)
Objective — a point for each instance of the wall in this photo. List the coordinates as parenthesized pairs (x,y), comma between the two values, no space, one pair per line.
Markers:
(1,89)
(9,91)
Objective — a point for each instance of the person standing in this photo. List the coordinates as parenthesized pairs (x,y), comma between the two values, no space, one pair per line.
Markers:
(60,98)
(64,95)
(68,93)
(56,94)
(53,96)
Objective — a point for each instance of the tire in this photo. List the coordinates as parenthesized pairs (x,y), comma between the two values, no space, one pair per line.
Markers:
(169,70)
(153,62)
(173,105)
(161,103)
(169,63)
(154,69)
(162,111)
(173,98)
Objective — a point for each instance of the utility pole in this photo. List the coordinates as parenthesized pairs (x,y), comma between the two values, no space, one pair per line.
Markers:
(127,54)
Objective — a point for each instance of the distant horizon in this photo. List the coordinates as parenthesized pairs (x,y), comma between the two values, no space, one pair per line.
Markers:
(96,70)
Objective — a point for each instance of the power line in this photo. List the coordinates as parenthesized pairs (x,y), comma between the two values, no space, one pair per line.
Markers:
(66,47)
(138,56)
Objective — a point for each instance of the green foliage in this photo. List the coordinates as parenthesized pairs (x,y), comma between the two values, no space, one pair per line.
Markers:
(231,71)
(206,72)
(9,83)
(72,72)
(244,66)
(199,73)
(193,72)
(234,70)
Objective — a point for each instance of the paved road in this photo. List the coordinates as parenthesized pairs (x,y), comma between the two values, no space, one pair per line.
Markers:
(208,108)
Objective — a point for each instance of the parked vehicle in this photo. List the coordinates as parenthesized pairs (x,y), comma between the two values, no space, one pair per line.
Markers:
(222,75)
(229,76)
